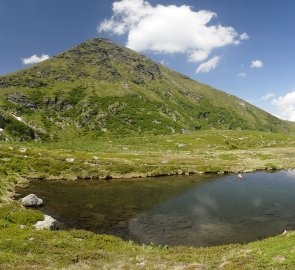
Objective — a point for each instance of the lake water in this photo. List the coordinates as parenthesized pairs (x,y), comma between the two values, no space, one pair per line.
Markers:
(184,210)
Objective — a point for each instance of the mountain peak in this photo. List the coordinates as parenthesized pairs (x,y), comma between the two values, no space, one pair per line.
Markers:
(98,87)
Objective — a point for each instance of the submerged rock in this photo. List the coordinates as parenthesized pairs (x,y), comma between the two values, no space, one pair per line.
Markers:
(32,200)
(49,223)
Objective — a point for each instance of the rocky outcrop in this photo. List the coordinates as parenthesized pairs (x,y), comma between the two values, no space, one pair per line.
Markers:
(49,223)
(32,200)
(22,100)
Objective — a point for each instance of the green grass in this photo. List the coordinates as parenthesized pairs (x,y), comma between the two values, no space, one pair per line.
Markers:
(28,248)
(199,152)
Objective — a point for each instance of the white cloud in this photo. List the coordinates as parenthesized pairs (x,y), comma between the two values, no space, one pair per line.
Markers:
(267,96)
(244,36)
(242,74)
(34,59)
(256,64)
(209,65)
(286,106)
(169,29)
(164,62)
(198,56)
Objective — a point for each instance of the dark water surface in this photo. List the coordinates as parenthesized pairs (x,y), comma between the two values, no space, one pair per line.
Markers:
(188,210)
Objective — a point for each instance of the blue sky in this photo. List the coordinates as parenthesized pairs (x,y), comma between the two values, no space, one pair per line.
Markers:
(34,27)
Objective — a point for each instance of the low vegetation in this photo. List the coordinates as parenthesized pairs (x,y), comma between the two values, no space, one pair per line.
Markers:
(200,152)
(99,88)
(103,111)
(27,248)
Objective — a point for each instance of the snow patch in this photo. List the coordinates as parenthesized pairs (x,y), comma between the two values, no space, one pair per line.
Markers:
(18,118)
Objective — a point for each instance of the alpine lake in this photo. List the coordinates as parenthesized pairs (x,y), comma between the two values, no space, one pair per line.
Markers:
(198,210)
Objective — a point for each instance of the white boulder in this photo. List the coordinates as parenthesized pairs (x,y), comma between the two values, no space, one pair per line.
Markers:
(240,176)
(32,200)
(49,223)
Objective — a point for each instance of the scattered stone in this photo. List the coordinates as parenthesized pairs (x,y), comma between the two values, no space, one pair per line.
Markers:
(79,239)
(157,122)
(279,258)
(32,200)
(95,158)
(49,223)
(180,145)
(240,176)
(142,264)
(26,156)
(22,226)
(225,263)
(31,239)
(285,232)
(70,160)
(164,161)
(248,171)
(22,150)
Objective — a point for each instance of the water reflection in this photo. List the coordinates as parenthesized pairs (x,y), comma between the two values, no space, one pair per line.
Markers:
(194,211)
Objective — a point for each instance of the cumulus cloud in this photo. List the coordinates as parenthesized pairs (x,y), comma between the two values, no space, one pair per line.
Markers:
(169,29)
(286,106)
(198,56)
(34,59)
(256,64)
(242,74)
(244,36)
(267,96)
(209,65)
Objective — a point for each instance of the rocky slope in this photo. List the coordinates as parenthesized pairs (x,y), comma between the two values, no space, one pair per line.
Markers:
(99,88)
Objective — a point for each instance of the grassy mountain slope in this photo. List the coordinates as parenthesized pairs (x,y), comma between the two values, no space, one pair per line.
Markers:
(99,87)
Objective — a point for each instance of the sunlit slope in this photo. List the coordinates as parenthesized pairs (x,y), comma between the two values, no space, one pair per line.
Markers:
(100,88)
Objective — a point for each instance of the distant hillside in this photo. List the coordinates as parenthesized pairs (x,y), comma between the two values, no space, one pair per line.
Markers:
(101,88)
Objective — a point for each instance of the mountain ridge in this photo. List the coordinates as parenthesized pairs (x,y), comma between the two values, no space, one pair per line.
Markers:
(98,88)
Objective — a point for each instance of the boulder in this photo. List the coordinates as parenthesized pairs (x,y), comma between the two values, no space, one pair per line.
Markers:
(240,176)
(32,200)
(49,223)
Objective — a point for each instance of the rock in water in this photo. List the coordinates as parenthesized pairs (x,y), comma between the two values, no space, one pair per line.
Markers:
(240,176)
(49,223)
(32,200)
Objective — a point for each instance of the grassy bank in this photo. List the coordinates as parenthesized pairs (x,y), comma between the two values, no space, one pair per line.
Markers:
(201,152)
(31,249)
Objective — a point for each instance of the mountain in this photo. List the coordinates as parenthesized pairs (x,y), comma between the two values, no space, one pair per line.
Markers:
(99,88)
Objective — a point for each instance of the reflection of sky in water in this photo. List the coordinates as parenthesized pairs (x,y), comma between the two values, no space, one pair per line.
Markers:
(193,210)
(291,174)
(257,202)
(224,211)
